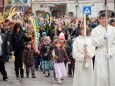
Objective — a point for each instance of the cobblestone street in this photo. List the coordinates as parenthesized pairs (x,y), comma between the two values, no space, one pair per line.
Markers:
(41,80)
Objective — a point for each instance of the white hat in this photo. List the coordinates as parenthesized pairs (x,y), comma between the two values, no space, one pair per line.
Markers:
(61,36)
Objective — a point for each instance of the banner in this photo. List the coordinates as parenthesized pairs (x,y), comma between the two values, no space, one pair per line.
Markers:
(22,9)
(1,3)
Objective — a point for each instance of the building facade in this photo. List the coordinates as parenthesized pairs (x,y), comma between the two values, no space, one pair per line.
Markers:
(74,8)
(57,8)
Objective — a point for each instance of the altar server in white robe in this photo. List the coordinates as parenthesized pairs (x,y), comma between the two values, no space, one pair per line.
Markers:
(83,75)
(99,36)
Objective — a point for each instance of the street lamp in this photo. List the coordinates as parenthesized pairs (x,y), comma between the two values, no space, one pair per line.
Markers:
(114,6)
(77,4)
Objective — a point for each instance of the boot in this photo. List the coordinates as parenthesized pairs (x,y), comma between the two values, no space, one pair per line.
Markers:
(33,76)
(22,76)
(5,78)
(17,76)
(27,76)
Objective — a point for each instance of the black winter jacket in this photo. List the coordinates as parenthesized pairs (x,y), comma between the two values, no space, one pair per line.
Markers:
(18,41)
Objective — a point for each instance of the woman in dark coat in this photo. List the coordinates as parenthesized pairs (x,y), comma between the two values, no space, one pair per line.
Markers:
(18,40)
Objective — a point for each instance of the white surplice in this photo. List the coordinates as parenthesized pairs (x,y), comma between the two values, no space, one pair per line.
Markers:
(83,76)
(101,67)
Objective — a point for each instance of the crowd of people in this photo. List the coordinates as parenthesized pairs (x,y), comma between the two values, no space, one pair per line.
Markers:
(61,43)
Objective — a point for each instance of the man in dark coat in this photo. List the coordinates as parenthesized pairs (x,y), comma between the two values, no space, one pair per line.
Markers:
(7,31)
(2,56)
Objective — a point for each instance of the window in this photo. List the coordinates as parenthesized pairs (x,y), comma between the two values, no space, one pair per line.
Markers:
(71,14)
(15,0)
(25,1)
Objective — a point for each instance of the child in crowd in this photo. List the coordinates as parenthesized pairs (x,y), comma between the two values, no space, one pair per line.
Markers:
(45,51)
(37,60)
(28,59)
(63,44)
(58,55)
(69,53)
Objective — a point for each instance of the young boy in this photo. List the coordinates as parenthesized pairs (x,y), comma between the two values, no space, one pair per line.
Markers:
(28,59)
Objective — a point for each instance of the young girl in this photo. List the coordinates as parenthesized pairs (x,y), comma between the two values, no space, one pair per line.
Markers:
(28,59)
(60,29)
(83,51)
(58,57)
(45,51)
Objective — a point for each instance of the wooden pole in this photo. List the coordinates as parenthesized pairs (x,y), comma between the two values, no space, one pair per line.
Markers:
(106,14)
(4,10)
(85,26)
(85,45)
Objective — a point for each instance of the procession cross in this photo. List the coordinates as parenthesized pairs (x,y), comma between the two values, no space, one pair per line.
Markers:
(107,42)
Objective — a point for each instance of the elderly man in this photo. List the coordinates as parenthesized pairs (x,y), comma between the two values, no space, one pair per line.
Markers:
(104,41)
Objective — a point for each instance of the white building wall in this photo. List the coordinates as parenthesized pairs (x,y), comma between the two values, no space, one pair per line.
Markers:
(36,7)
(96,8)
(71,8)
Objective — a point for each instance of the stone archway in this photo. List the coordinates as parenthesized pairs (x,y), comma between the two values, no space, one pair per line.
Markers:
(40,12)
(58,10)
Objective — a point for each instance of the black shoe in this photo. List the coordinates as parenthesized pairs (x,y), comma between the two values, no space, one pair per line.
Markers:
(70,75)
(41,69)
(48,74)
(7,60)
(17,76)
(37,69)
(27,76)
(44,72)
(22,76)
(5,78)
(33,76)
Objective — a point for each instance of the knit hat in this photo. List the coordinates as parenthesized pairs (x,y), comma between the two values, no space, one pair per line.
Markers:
(44,34)
(55,37)
(61,36)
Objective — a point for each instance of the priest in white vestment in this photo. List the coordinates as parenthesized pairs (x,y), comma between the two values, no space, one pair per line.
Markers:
(101,39)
